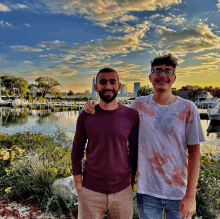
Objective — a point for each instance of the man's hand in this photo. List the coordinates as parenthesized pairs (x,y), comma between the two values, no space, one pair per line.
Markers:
(78,183)
(89,106)
(187,206)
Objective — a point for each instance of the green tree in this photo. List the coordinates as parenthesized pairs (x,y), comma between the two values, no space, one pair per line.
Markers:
(22,85)
(15,85)
(70,93)
(174,91)
(47,85)
(55,92)
(144,91)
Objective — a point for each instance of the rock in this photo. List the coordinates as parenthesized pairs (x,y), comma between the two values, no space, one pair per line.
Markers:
(65,188)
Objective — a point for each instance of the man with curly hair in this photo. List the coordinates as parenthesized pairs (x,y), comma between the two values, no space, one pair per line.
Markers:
(170,133)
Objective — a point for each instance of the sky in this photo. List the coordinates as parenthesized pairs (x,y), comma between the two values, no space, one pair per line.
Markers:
(71,40)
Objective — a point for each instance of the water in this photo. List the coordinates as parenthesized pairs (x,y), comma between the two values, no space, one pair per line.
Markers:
(47,122)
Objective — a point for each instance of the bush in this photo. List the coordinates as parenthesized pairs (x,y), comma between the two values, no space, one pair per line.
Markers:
(208,194)
(30,163)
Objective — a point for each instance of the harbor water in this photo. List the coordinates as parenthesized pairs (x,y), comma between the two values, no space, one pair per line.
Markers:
(47,122)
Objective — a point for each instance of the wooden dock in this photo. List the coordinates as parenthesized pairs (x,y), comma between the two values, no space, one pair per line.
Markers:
(54,106)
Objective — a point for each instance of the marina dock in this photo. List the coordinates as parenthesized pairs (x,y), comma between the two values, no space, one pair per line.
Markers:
(54,106)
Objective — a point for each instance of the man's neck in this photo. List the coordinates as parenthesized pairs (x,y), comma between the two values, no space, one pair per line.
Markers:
(108,106)
(162,98)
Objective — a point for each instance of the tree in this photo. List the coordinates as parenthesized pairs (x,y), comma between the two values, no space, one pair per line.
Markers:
(70,93)
(144,91)
(22,85)
(46,85)
(174,91)
(55,92)
(15,85)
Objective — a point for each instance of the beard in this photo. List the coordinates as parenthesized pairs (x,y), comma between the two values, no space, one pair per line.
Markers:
(108,98)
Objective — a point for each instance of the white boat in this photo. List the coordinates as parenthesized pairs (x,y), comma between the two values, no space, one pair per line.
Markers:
(214,113)
(5,103)
(19,102)
(210,103)
(203,99)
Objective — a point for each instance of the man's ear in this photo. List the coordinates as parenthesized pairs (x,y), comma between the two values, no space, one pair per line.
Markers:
(150,78)
(96,87)
(119,87)
(174,78)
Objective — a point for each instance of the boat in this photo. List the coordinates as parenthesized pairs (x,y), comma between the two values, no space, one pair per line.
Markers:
(5,103)
(214,113)
(205,100)
(210,103)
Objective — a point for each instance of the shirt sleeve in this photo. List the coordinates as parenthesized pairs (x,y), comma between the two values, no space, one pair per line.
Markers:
(194,132)
(78,147)
(133,144)
(133,104)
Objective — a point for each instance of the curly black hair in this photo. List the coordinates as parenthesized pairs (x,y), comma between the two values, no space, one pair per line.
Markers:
(167,59)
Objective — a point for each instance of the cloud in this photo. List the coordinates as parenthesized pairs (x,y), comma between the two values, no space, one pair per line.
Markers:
(167,19)
(64,70)
(155,16)
(27,62)
(109,45)
(210,59)
(125,28)
(174,20)
(25,49)
(60,56)
(18,6)
(218,5)
(4,8)
(28,25)
(127,18)
(85,64)
(9,7)
(104,11)
(53,44)
(196,39)
(209,64)
(208,56)
(5,24)
(93,57)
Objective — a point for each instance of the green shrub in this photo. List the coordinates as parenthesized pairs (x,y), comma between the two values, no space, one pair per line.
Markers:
(208,194)
(30,163)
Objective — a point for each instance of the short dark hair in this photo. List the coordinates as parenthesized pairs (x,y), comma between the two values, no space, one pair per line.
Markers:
(167,59)
(106,70)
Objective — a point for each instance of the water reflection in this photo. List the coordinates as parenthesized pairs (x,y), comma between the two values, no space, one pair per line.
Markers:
(46,121)
(11,117)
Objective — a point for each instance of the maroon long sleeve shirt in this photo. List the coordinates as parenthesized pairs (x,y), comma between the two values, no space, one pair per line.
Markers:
(111,152)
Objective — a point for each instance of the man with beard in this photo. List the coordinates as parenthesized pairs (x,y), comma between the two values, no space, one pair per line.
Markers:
(169,129)
(111,154)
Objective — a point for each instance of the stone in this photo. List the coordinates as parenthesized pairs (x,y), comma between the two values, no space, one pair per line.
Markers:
(65,188)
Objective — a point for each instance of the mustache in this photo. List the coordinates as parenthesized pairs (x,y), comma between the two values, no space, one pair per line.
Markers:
(162,80)
(107,90)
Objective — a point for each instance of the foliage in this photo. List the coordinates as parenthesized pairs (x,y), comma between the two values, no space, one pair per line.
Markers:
(47,85)
(70,93)
(174,91)
(208,194)
(30,163)
(14,85)
(144,91)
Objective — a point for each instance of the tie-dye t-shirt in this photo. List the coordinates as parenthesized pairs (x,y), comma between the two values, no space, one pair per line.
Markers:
(162,156)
